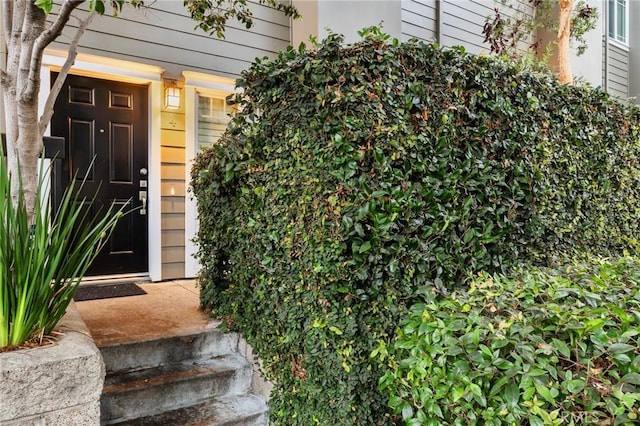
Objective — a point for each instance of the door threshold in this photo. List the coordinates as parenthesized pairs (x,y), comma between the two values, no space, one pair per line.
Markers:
(115,278)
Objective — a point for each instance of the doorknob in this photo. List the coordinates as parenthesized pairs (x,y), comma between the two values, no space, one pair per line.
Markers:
(143,171)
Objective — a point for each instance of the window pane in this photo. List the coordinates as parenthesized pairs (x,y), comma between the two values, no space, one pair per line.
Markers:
(213,117)
(621,16)
(612,19)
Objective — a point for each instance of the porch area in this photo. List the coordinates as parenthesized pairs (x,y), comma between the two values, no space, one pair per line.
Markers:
(167,362)
(169,308)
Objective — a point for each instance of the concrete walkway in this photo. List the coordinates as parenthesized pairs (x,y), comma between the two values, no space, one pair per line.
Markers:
(168,308)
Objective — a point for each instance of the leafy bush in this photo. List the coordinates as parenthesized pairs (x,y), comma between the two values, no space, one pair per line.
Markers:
(540,347)
(354,176)
(42,262)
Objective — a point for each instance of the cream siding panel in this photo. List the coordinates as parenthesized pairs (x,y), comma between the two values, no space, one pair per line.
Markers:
(172,155)
(172,121)
(173,255)
(172,271)
(173,221)
(173,238)
(173,171)
(172,205)
(172,138)
(173,188)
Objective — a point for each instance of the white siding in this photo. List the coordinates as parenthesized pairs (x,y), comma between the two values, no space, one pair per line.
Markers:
(463,21)
(419,20)
(618,72)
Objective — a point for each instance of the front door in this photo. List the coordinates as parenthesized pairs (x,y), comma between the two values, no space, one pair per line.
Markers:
(104,124)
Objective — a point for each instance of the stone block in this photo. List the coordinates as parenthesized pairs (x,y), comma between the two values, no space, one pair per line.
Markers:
(54,384)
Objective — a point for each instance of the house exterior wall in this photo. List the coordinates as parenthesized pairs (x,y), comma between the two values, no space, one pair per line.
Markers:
(163,36)
(347,17)
(448,22)
(419,20)
(173,191)
(618,70)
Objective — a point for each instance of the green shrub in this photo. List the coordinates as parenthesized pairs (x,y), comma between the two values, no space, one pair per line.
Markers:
(354,176)
(540,347)
(43,261)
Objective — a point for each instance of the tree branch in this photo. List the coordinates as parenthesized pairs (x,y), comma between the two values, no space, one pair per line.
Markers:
(19,10)
(55,29)
(32,26)
(62,75)
(44,39)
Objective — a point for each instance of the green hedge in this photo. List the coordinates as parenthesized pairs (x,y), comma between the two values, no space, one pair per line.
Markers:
(354,176)
(540,347)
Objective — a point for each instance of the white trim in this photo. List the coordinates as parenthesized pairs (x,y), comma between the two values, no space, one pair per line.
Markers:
(619,44)
(45,164)
(107,279)
(191,224)
(613,40)
(131,72)
(209,82)
(91,65)
(155,190)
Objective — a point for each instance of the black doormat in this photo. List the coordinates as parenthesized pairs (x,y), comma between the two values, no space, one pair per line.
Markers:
(107,291)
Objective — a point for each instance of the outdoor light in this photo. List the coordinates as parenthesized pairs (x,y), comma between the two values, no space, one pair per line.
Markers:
(172,98)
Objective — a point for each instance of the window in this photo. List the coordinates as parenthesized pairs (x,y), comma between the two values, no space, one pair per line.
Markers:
(618,20)
(213,116)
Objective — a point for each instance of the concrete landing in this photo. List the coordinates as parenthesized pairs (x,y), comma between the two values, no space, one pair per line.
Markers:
(168,308)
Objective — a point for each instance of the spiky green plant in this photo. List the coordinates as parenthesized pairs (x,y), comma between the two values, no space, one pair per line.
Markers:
(43,262)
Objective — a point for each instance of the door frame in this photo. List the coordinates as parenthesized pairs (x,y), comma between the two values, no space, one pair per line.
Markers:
(126,72)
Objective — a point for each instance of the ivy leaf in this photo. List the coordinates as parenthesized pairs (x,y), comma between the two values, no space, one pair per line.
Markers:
(621,348)
(545,393)
(633,378)
(45,5)
(511,395)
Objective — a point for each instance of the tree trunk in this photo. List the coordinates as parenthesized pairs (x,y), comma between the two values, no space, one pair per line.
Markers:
(564,33)
(24,141)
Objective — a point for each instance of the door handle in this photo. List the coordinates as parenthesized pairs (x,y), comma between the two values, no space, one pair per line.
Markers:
(143,197)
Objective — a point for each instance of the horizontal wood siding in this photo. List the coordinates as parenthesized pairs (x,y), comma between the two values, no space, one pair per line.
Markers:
(419,20)
(618,73)
(163,34)
(172,193)
(463,21)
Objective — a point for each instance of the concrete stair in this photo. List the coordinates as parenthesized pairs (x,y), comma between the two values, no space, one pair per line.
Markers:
(192,379)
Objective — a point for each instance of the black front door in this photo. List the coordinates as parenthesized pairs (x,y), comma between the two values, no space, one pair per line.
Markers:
(106,122)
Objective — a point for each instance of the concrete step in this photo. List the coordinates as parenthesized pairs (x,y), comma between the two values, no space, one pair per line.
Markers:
(152,391)
(246,410)
(137,355)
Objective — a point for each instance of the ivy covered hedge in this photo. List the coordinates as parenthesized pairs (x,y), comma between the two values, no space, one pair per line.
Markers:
(539,347)
(355,176)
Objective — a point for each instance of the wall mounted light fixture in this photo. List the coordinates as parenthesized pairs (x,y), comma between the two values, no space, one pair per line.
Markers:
(172,98)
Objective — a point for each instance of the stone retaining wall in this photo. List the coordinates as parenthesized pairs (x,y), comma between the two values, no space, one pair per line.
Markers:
(54,385)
